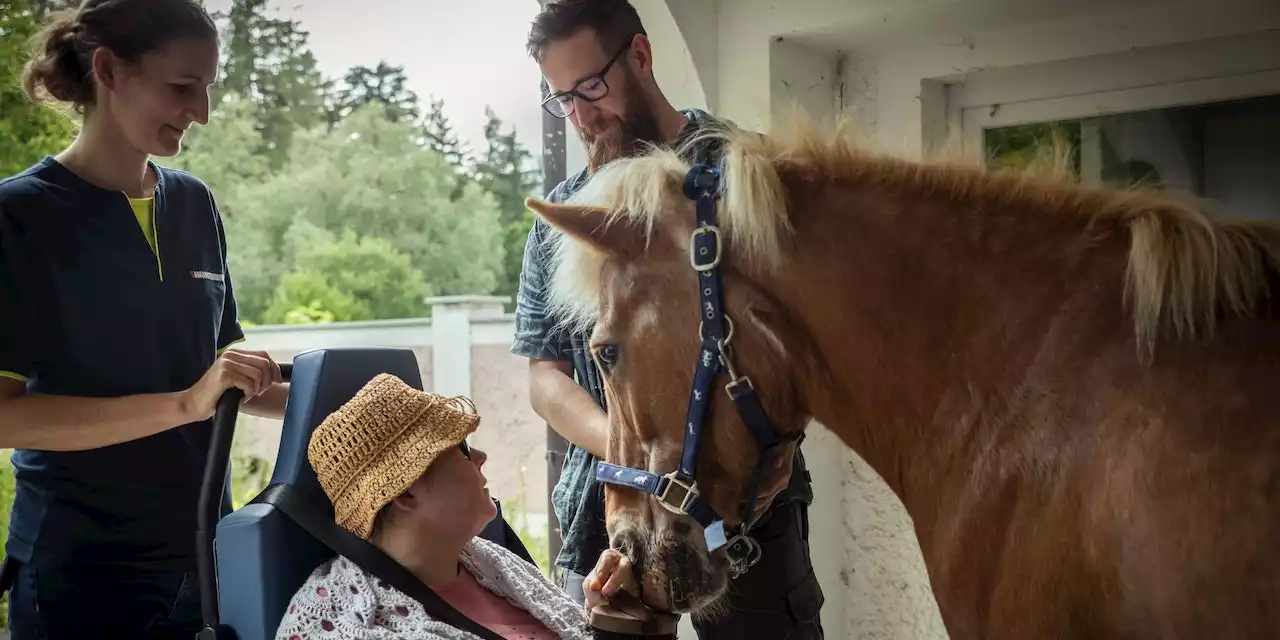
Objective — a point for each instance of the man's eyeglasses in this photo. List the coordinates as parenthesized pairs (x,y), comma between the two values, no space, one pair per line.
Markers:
(561,104)
(465,449)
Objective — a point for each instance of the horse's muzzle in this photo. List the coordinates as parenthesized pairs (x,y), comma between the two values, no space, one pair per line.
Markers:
(676,573)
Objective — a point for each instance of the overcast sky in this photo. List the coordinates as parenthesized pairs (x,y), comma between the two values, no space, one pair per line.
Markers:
(467,52)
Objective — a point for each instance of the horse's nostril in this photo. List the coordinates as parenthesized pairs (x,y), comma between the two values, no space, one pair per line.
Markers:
(682,528)
(626,540)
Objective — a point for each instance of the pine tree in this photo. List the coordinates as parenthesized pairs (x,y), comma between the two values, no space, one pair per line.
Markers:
(385,84)
(507,172)
(267,60)
(438,134)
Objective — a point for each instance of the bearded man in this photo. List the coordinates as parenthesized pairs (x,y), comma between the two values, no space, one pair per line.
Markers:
(598,65)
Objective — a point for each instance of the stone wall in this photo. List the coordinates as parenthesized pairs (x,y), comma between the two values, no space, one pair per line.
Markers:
(512,434)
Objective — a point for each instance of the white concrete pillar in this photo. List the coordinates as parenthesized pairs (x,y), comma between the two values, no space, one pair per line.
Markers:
(451,318)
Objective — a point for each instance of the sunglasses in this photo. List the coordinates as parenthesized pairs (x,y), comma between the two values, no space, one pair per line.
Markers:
(465,448)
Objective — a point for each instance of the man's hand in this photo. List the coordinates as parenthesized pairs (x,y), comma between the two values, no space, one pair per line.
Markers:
(613,572)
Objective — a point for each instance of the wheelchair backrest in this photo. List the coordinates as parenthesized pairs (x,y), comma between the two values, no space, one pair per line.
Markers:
(262,555)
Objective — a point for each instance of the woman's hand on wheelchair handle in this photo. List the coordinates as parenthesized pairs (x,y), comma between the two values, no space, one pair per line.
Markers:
(253,372)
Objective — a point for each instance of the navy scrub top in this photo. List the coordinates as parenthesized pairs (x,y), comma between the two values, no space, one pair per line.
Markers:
(88,309)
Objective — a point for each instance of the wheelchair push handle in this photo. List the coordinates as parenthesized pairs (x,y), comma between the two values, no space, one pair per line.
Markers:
(212,494)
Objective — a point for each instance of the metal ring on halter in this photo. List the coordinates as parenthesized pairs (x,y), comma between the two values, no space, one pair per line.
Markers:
(728,334)
(748,554)
(744,550)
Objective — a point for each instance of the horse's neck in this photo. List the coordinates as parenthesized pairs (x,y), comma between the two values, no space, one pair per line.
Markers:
(929,319)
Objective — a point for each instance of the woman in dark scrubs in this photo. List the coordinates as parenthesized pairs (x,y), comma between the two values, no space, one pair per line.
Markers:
(116,318)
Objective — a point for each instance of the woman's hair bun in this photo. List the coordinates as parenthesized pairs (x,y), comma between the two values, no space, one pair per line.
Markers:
(61,64)
(59,68)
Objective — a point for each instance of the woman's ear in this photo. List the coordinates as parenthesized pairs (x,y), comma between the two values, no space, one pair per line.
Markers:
(405,501)
(104,64)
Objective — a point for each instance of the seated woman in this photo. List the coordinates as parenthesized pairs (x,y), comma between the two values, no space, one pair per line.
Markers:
(395,463)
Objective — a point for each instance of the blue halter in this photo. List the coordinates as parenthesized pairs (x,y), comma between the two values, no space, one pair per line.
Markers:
(678,490)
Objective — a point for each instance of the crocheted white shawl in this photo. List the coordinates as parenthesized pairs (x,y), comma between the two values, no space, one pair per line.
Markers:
(341,600)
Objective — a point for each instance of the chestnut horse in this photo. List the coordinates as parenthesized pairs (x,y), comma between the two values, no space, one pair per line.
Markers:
(1072,389)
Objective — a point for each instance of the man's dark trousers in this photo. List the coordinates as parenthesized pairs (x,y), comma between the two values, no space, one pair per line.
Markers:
(779,598)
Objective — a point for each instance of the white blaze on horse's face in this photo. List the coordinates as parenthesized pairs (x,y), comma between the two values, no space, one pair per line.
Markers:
(634,284)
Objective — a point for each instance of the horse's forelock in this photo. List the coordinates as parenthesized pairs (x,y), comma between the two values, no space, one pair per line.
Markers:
(575,287)
(637,190)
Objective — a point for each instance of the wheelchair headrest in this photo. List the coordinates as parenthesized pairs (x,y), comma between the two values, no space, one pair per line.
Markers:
(324,380)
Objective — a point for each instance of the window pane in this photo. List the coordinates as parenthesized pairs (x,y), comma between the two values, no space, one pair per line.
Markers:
(1228,151)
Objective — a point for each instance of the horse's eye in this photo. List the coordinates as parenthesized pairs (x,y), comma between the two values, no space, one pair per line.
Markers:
(607,356)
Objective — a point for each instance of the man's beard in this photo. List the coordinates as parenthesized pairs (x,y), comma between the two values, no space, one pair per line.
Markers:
(629,136)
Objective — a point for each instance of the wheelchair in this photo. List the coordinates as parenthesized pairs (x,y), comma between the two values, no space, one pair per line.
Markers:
(252,560)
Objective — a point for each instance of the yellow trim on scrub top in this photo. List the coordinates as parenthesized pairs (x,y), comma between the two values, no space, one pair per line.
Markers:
(144,210)
(13,376)
(222,350)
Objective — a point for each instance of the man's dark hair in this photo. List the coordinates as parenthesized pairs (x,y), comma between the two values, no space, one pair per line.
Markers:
(613,21)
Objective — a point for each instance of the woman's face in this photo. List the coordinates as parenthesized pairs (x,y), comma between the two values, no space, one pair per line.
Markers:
(154,101)
(451,497)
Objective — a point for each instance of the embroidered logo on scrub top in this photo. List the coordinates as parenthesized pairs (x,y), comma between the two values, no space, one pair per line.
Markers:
(206,275)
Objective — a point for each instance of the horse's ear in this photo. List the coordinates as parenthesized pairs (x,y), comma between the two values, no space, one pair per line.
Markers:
(592,226)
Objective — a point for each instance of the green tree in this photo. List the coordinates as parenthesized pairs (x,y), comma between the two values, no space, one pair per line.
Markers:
(45,7)
(385,84)
(505,172)
(224,153)
(28,132)
(347,278)
(1033,145)
(368,176)
(267,60)
(438,135)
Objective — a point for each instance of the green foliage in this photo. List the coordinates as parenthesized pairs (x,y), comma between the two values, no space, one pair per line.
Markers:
(28,132)
(385,84)
(348,278)
(267,60)
(250,474)
(1064,145)
(438,134)
(370,177)
(7,491)
(224,153)
(504,171)
(361,222)
(535,540)
(1025,146)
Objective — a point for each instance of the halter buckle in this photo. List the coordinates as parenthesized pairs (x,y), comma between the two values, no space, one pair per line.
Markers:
(736,384)
(686,493)
(693,250)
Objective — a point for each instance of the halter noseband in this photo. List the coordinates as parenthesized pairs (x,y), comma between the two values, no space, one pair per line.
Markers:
(678,490)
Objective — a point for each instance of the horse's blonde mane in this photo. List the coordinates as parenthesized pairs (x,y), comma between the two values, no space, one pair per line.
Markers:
(1183,268)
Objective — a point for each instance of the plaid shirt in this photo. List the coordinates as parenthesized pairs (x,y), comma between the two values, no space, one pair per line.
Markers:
(578,500)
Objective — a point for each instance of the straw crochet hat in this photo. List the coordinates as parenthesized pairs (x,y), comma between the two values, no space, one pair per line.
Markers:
(377,444)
